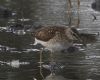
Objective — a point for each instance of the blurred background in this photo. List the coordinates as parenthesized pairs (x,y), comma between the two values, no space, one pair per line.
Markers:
(19,57)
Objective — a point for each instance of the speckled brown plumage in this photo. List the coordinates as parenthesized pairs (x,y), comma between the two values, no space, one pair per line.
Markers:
(46,33)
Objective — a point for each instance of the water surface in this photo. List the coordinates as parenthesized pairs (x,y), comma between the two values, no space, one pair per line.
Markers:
(19,58)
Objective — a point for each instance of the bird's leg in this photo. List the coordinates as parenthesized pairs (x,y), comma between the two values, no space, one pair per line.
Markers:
(52,63)
(51,55)
(41,52)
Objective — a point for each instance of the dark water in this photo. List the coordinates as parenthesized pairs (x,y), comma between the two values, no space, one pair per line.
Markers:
(19,59)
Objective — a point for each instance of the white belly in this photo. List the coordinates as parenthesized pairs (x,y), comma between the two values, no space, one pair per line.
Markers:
(53,45)
(58,46)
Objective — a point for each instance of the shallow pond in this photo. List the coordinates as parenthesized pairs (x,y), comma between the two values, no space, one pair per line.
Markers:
(19,58)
